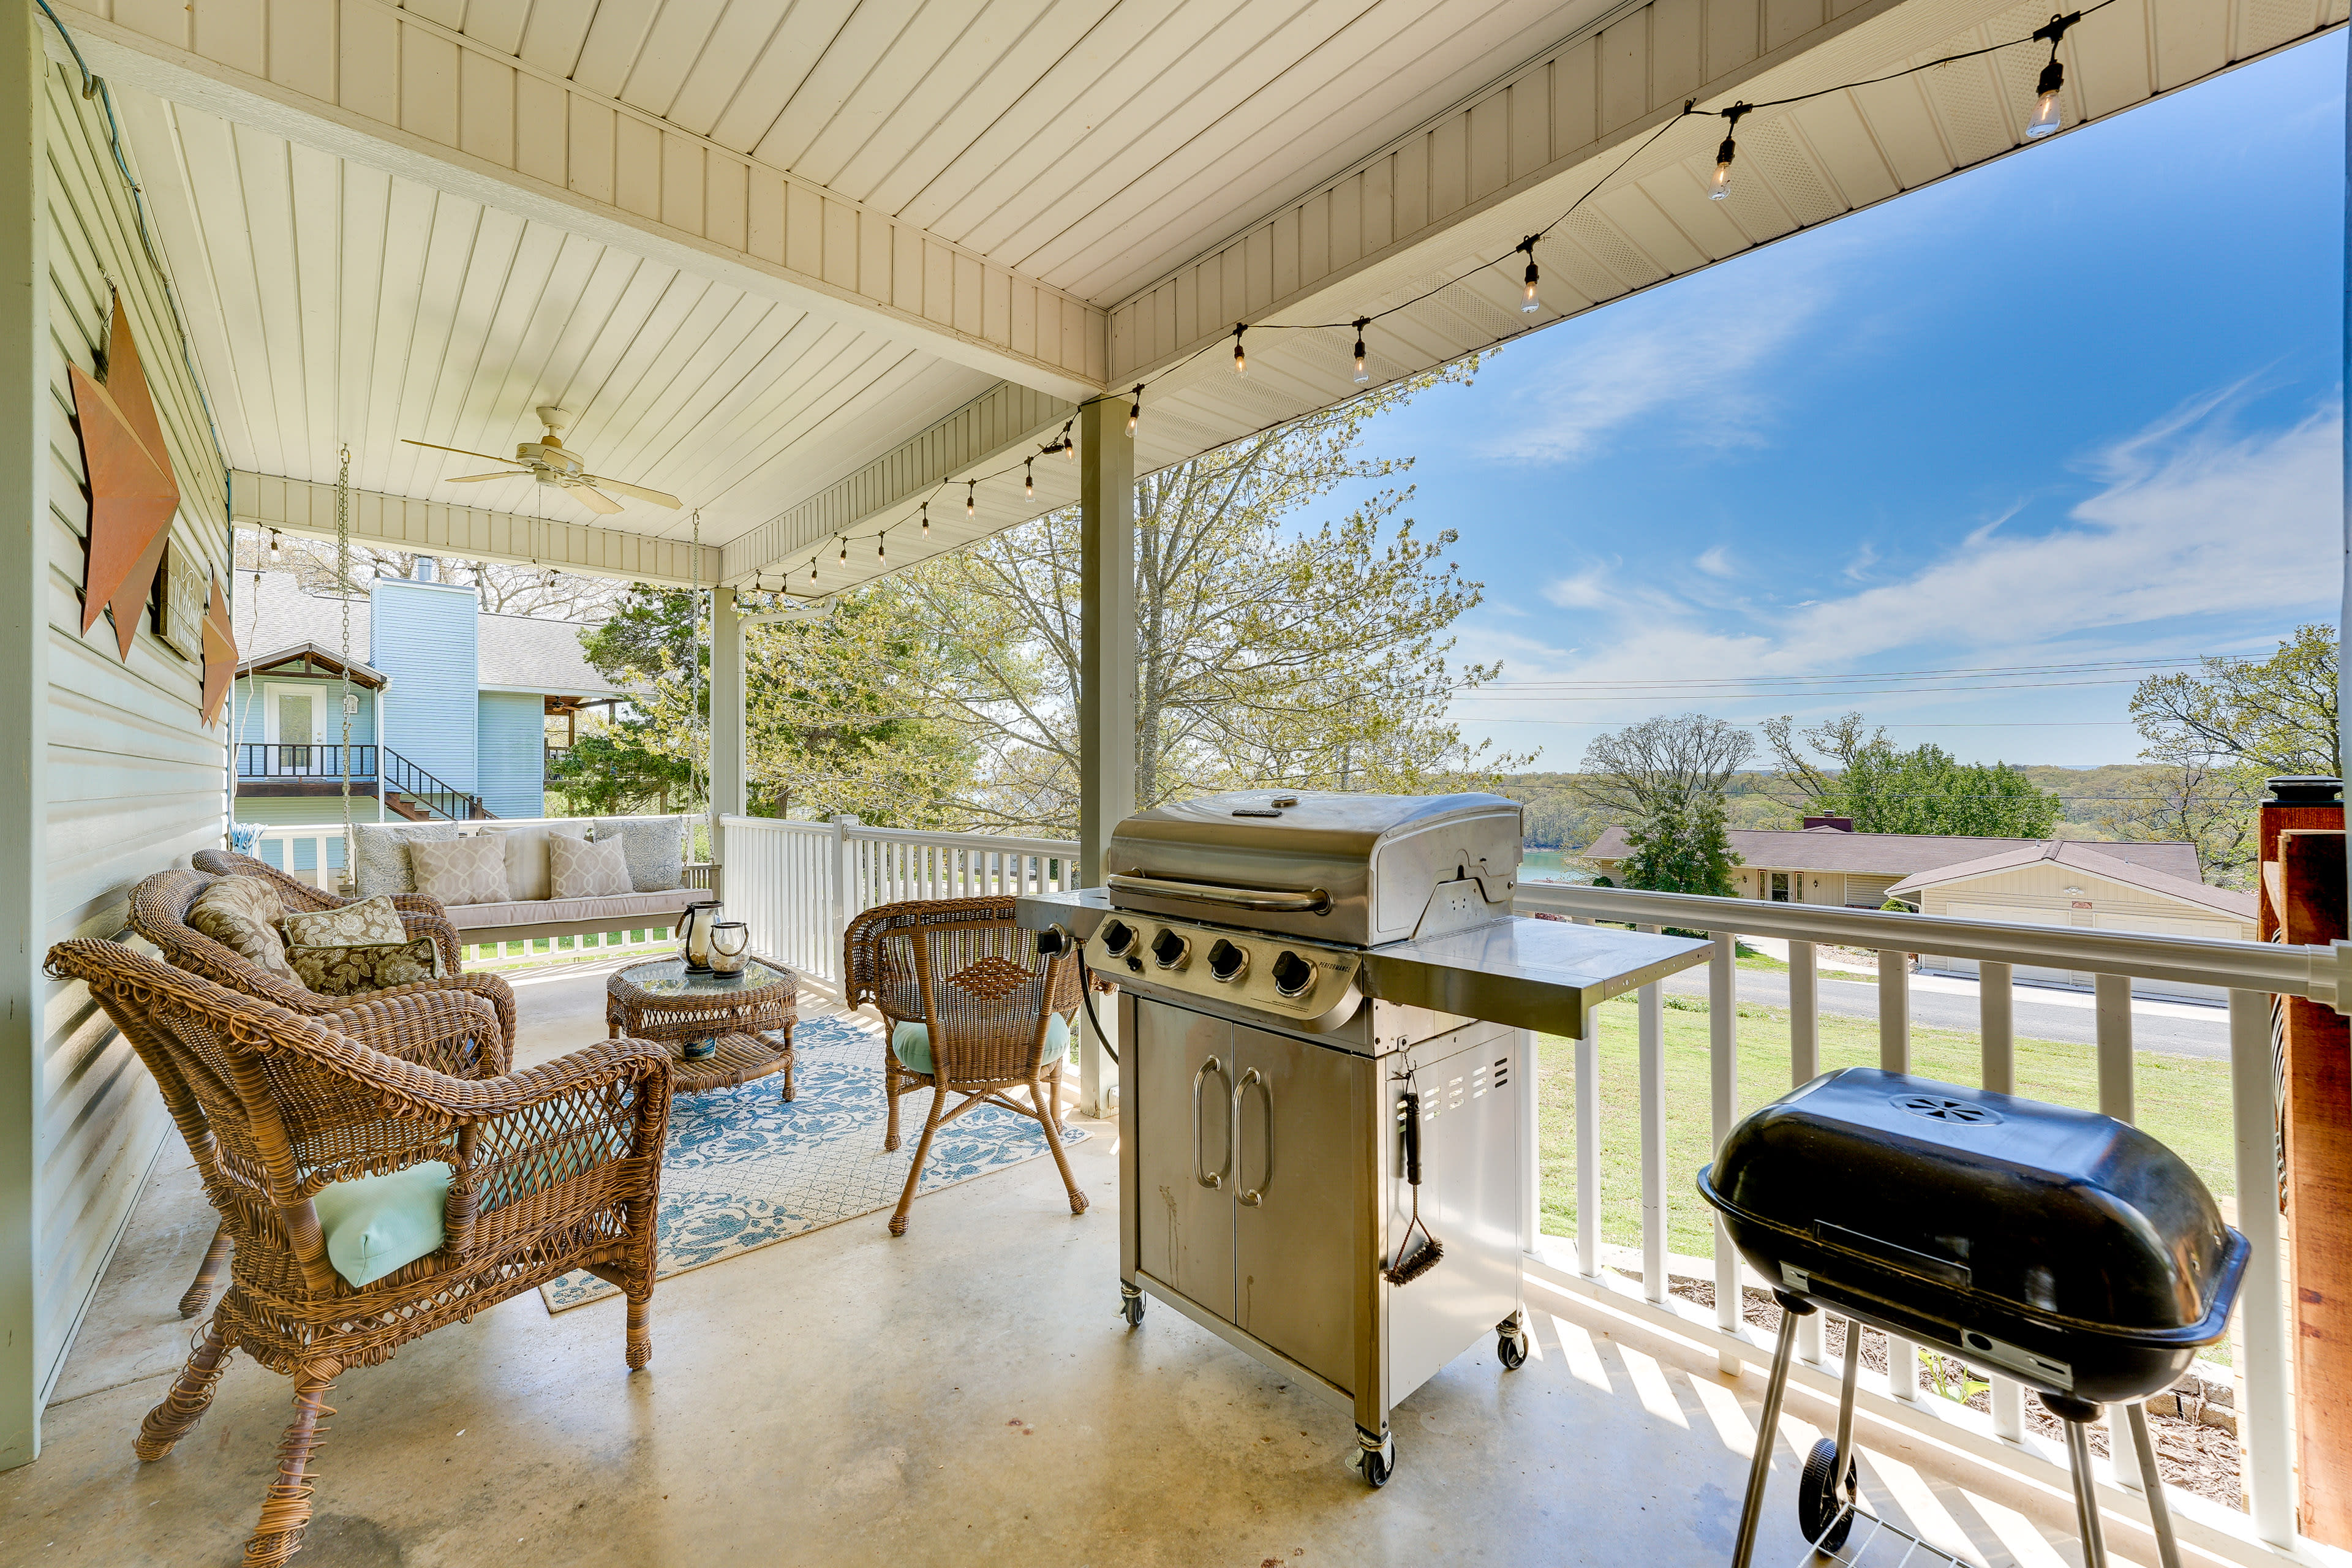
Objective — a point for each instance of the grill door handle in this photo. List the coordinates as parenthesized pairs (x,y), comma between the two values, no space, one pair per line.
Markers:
(1264,901)
(1252,1196)
(1212,1180)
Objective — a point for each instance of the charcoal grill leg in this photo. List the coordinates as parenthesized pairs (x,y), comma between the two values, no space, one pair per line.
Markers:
(1767,1425)
(1845,1410)
(2078,1414)
(2159,1512)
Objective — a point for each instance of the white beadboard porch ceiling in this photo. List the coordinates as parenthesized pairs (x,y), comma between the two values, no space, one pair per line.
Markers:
(805,263)
(331,302)
(1094,144)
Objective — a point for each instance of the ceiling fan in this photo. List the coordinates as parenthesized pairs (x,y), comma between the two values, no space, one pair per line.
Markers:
(552,463)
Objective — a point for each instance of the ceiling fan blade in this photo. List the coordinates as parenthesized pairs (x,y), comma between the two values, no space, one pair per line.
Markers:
(487,457)
(477,479)
(594,499)
(659,498)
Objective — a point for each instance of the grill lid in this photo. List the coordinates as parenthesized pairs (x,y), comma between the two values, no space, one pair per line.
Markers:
(1940,1195)
(1356,869)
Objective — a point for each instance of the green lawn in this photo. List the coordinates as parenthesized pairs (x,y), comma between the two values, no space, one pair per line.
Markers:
(2183,1101)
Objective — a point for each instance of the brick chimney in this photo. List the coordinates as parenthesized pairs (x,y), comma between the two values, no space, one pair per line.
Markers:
(1843,824)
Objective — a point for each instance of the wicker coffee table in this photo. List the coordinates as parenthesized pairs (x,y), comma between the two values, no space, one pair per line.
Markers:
(663,1001)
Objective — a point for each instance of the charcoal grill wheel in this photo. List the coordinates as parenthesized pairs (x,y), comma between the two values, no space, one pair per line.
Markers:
(1511,1348)
(1821,1511)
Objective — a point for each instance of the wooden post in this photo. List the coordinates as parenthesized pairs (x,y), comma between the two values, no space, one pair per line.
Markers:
(2302,900)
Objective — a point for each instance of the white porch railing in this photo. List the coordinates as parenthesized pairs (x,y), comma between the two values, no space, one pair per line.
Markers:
(798,884)
(2249,972)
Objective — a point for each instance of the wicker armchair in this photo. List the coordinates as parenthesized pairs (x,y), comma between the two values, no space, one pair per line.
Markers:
(962,968)
(297,896)
(555,1168)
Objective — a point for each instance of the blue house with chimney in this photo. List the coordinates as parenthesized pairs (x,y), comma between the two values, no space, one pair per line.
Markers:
(451,706)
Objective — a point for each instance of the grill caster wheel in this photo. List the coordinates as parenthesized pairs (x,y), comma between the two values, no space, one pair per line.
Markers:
(1376,1464)
(1511,1345)
(1132,1309)
(1821,1511)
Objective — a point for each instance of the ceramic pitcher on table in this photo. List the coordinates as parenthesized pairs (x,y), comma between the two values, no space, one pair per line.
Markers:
(695,927)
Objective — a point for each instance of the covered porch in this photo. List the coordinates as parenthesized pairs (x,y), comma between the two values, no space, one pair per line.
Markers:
(854,319)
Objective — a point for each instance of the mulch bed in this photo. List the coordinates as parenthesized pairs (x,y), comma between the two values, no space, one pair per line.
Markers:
(2190,1455)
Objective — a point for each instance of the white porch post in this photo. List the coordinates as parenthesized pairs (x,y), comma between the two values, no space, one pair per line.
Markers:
(727,796)
(1106,664)
(23,722)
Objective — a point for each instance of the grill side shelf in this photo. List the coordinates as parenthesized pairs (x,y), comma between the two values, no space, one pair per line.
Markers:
(1525,972)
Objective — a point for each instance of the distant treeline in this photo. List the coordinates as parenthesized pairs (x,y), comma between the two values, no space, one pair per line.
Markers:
(1557,819)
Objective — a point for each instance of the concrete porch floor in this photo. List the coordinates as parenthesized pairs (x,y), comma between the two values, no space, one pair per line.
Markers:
(967,1394)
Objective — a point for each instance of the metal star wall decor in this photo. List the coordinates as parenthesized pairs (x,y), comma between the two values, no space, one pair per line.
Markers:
(132,491)
(220,653)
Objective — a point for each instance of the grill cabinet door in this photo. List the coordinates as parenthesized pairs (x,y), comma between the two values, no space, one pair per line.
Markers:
(1186,1237)
(1300,1251)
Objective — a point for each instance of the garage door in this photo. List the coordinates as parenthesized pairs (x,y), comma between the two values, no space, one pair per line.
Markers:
(2007,914)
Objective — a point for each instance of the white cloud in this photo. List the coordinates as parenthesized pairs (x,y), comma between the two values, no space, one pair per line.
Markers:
(1715,563)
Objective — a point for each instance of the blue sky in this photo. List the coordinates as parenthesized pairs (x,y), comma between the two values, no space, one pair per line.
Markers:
(2080,404)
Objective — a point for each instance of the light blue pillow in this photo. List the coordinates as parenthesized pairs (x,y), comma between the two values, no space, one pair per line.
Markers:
(911,1043)
(375,1224)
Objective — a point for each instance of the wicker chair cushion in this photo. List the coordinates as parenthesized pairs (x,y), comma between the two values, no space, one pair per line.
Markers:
(655,847)
(374,1225)
(380,864)
(910,1042)
(366,923)
(580,870)
(461,871)
(241,913)
(347,971)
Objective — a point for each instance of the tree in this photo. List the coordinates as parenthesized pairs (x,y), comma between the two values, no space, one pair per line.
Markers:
(1926,790)
(1636,771)
(504,590)
(2221,731)
(1268,653)
(1682,846)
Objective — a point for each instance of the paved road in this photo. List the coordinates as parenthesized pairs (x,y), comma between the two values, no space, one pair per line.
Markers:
(2175,1028)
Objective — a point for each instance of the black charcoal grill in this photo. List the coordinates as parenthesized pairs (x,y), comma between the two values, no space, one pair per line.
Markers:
(2063,1248)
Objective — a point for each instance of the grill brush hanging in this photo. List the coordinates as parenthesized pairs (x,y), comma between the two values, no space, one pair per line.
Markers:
(1413,1259)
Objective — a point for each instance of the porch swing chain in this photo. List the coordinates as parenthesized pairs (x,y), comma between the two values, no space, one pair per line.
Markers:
(343,586)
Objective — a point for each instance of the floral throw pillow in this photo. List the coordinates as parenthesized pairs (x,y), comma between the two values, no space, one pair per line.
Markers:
(461,871)
(347,971)
(577,868)
(241,913)
(368,922)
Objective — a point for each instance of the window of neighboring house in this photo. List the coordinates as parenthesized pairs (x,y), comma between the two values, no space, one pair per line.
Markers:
(1780,887)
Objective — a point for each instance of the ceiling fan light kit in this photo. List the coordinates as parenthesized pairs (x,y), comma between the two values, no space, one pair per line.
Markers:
(551,462)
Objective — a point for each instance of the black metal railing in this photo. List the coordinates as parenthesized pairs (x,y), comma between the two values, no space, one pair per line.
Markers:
(406,778)
(401,779)
(314,762)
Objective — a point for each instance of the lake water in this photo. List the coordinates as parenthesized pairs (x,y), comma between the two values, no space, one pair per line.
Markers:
(1552,866)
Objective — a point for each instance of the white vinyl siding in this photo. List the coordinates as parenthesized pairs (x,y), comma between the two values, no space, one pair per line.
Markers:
(135,780)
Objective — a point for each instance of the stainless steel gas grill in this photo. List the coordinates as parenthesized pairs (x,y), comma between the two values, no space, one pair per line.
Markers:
(2061,1248)
(1322,995)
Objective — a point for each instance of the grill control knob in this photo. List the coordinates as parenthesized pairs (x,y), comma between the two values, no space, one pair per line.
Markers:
(1228,963)
(1293,975)
(1117,936)
(1170,950)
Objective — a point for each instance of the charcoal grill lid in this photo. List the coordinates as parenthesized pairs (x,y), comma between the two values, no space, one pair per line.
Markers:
(2061,1212)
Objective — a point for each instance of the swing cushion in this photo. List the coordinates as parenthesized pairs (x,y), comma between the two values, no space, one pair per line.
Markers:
(374,1225)
(461,871)
(910,1042)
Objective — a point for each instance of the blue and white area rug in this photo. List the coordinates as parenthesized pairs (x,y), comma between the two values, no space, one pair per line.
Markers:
(745,1168)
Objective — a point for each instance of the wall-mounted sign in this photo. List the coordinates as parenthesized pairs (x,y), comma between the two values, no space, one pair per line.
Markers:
(133,492)
(179,606)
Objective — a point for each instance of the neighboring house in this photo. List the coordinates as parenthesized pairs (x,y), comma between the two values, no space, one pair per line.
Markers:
(2067,882)
(451,704)
(1828,863)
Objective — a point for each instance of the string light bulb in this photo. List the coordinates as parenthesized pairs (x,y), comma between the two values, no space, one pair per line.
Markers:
(970,500)
(1720,187)
(1241,360)
(1135,409)
(2047,109)
(927,519)
(1029,476)
(845,550)
(273,547)
(882,548)
(812,568)
(1363,371)
(1529,303)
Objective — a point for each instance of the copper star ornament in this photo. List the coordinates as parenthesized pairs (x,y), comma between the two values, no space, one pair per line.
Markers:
(220,653)
(133,492)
